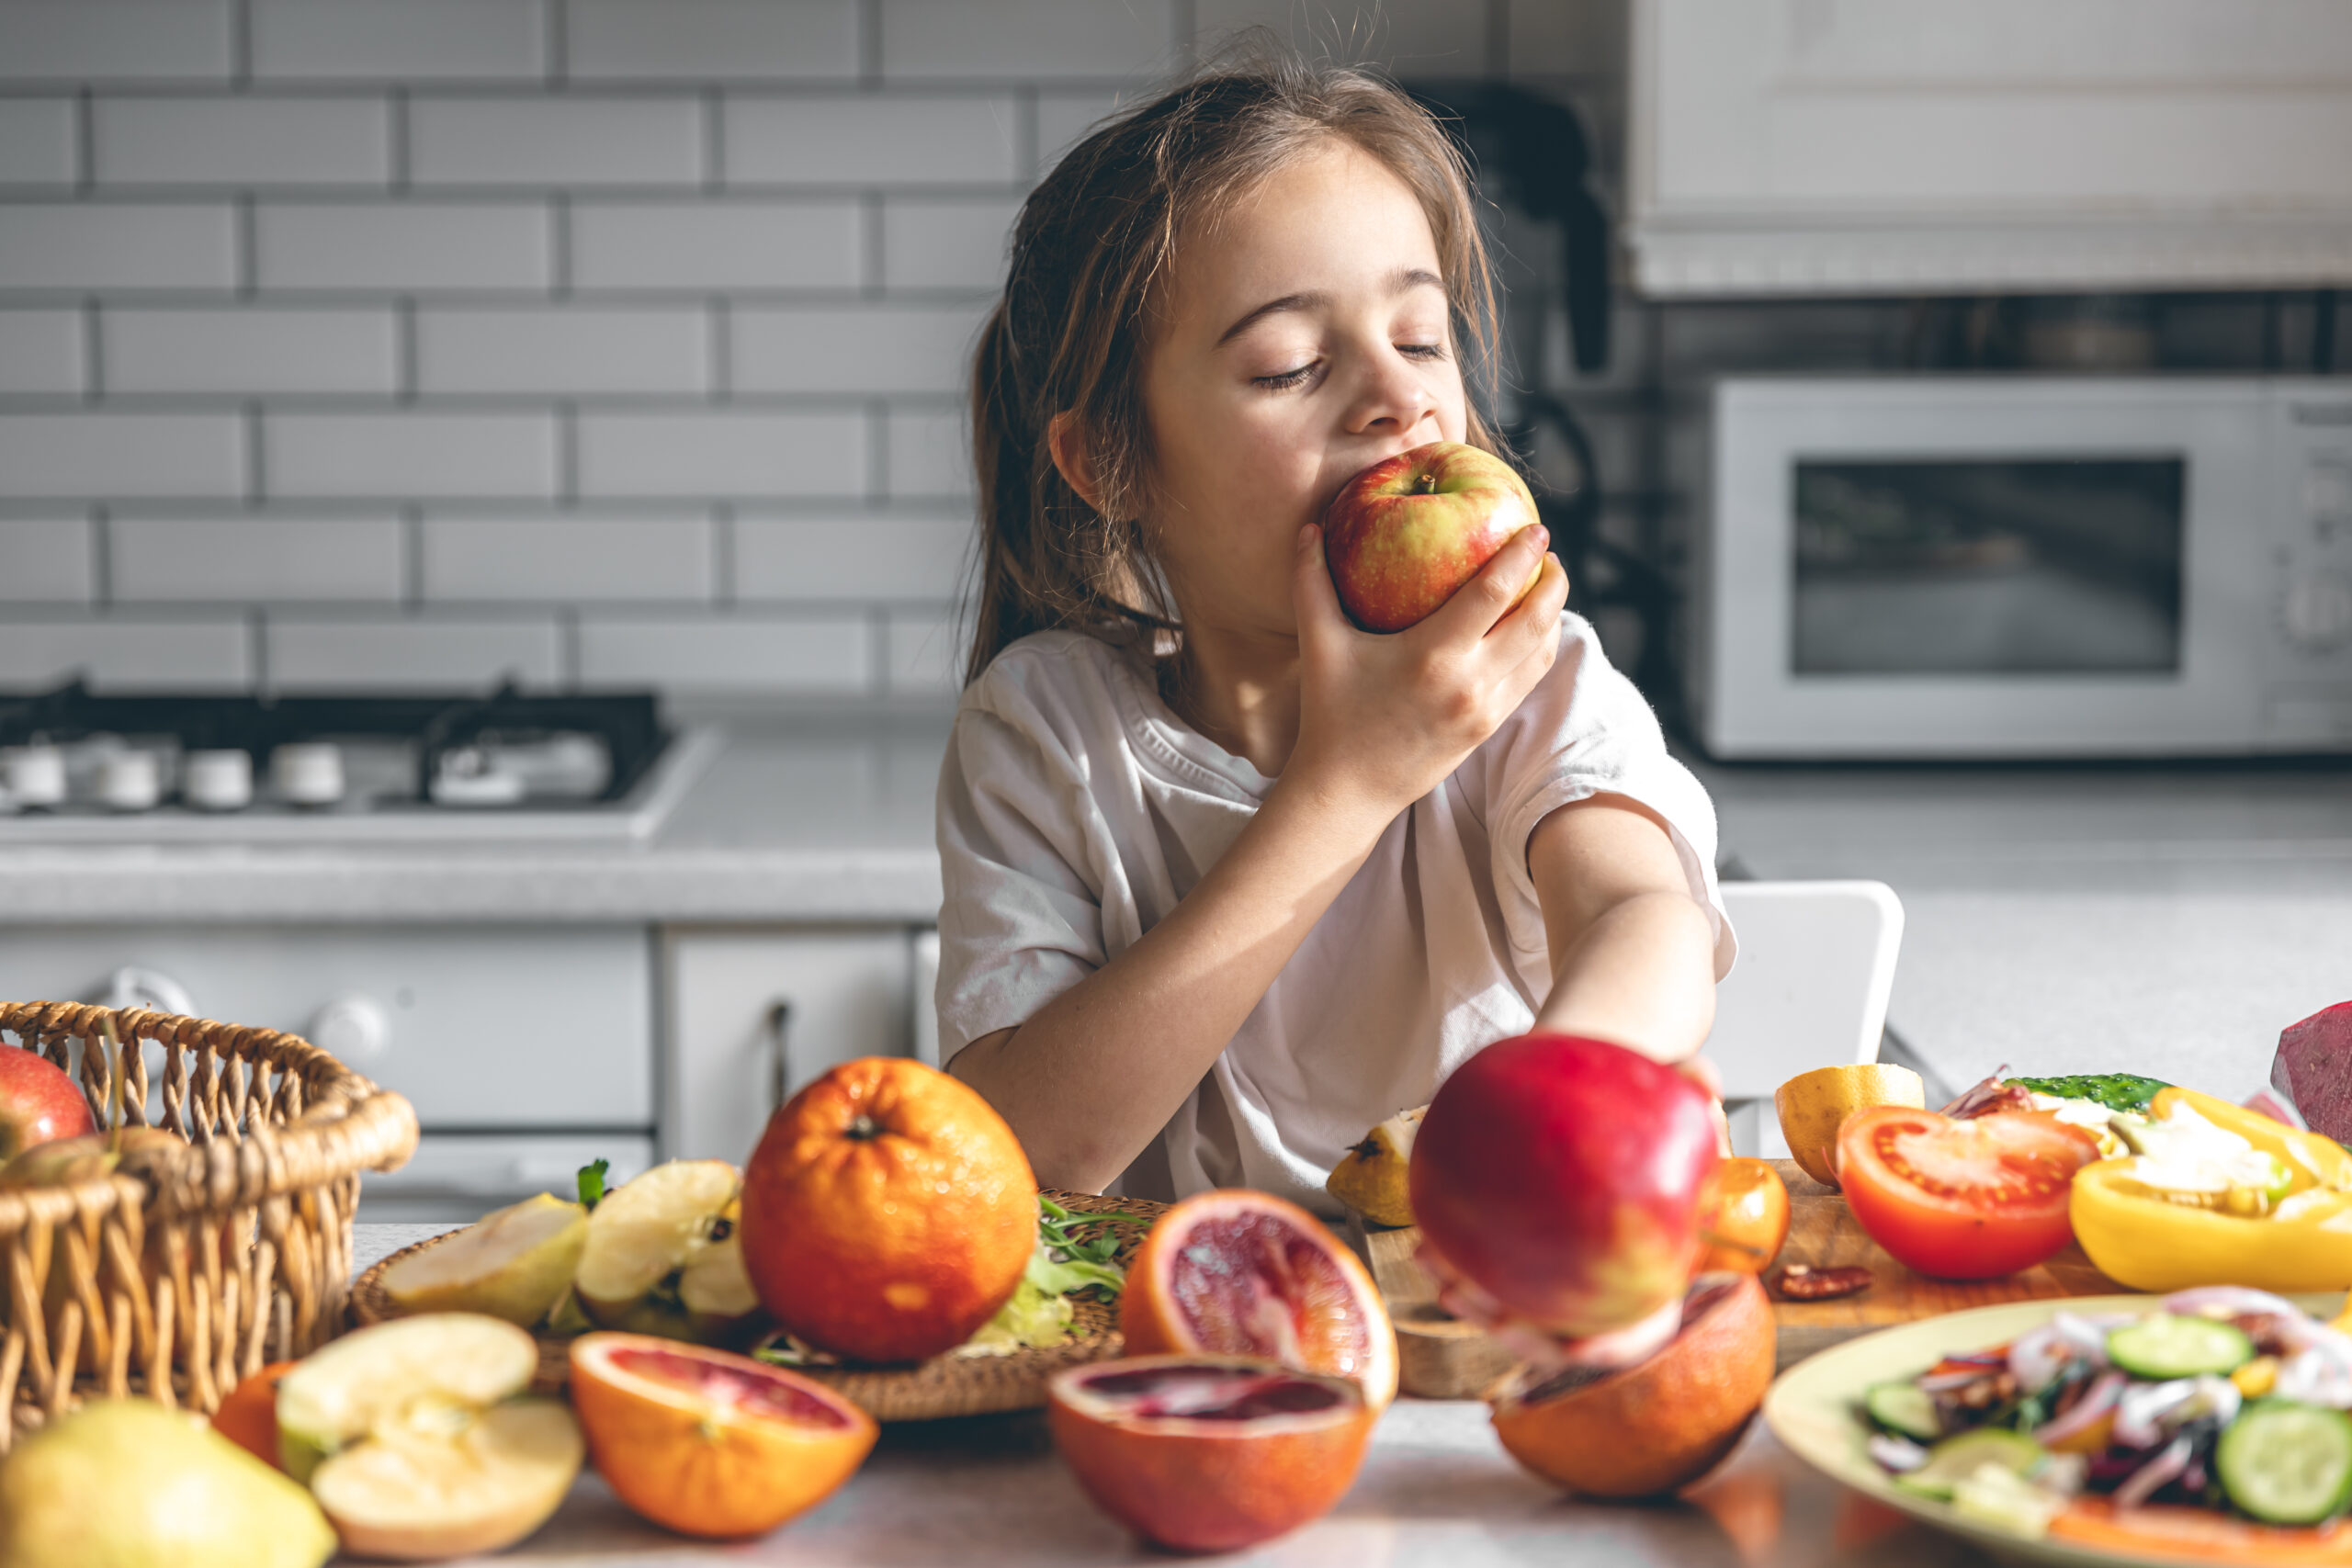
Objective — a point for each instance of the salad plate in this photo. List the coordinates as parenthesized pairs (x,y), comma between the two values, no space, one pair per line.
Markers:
(1815,1409)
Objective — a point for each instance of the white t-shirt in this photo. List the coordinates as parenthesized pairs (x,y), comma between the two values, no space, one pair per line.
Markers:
(1075,809)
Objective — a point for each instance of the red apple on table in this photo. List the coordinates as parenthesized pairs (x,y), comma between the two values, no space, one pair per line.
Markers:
(39,1102)
(1402,534)
(1562,1178)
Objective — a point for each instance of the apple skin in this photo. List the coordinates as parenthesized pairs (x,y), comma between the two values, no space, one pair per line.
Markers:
(1406,533)
(39,1102)
(1562,1176)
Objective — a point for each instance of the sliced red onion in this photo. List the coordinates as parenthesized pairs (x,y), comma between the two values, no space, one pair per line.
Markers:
(1944,1383)
(2314,1377)
(2086,1337)
(1899,1455)
(2231,1301)
(2096,1401)
(2139,1413)
(2037,1357)
(2150,1478)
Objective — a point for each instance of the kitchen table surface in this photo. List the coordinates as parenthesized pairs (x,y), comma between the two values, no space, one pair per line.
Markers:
(1437,1491)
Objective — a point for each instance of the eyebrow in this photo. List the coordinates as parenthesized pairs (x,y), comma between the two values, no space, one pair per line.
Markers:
(1400,281)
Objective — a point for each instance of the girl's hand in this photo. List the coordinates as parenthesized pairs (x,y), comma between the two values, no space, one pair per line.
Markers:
(1384,717)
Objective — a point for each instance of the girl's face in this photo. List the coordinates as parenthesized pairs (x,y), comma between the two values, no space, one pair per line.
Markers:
(1306,338)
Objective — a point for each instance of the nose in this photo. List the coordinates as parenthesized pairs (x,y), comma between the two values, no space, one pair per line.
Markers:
(1395,399)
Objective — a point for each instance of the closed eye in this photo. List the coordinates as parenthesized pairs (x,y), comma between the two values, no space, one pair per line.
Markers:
(1284,379)
(1421,350)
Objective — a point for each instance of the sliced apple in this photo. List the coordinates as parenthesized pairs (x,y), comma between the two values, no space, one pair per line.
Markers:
(650,1237)
(341,1393)
(442,1480)
(513,1264)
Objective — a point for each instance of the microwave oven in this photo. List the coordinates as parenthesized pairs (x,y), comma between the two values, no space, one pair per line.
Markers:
(1982,567)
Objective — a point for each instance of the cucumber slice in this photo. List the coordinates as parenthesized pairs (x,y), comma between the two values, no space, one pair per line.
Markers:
(1906,1409)
(2287,1463)
(1956,1459)
(2170,1345)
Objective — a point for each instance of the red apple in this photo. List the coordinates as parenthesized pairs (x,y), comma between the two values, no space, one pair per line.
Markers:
(1404,534)
(39,1102)
(1562,1176)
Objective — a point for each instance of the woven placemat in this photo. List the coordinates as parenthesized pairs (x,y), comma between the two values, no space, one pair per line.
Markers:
(926,1391)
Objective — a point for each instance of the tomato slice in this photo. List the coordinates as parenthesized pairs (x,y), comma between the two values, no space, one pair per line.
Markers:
(1961,1199)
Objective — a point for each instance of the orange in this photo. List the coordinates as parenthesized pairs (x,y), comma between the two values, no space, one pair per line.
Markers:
(1743,1217)
(1246,1273)
(709,1443)
(1657,1426)
(887,1212)
(248,1417)
(1209,1453)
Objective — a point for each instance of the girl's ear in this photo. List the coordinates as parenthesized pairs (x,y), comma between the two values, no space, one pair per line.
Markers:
(1066,439)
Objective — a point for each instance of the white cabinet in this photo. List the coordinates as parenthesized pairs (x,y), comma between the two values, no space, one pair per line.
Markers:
(2007,145)
(751,1014)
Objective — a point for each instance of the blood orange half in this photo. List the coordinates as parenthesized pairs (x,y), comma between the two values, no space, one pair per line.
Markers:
(710,1443)
(1209,1453)
(1245,1273)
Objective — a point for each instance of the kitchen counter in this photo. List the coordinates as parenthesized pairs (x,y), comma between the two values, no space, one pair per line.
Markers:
(1436,1490)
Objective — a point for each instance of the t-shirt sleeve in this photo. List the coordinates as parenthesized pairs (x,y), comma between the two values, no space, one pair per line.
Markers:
(1585,730)
(1020,920)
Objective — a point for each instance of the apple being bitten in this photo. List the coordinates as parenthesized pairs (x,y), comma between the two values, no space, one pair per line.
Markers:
(39,1102)
(1406,533)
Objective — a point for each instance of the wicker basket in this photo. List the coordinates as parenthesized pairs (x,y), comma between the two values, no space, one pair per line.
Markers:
(203,1253)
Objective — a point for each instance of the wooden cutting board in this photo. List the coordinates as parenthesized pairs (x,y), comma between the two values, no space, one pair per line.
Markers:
(1441,1358)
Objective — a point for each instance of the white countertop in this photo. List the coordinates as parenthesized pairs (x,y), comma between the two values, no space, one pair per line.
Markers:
(1437,1491)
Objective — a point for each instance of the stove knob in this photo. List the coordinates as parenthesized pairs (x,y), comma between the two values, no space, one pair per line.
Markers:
(351,1028)
(130,781)
(307,772)
(218,780)
(35,775)
(2318,611)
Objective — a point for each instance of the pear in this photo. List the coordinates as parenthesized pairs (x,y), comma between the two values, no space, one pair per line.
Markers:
(512,1264)
(663,1254)
(341,1393)
(441,1479)
(1371,1178)
(128,1484)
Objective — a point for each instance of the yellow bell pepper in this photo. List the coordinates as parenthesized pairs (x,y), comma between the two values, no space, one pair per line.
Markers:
(2151,1243)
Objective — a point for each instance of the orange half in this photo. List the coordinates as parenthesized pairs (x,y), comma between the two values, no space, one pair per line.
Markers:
(709,1443)
(1241,1273)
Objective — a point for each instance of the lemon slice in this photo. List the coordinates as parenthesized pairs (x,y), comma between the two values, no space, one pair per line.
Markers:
(512,1265)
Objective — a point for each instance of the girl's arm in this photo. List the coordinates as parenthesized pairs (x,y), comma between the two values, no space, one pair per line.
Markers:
(1091,1079)
(1633,955)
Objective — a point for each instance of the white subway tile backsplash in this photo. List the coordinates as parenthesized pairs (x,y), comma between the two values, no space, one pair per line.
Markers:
(563,350)
(871,139)
(123,653)
(567,141)
(255,559)
(567,558)
(724,244)
(931,454)
(36,141)
(728,653)
(722,453)
(1064,118)
(1027,39)
(47,560)
(56,247)
(107,455)
(241,140)
(400,453)
(947,243)
(69,41)
(710,39)
(40,352)
(238,349)
(403,245)
(846,557)
(424,654)
(925,649)
(853,348)
(398,40)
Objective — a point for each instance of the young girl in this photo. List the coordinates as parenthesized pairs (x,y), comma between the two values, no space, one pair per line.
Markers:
(1228,881)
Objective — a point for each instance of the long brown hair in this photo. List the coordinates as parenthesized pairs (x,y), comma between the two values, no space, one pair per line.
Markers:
(1091,259)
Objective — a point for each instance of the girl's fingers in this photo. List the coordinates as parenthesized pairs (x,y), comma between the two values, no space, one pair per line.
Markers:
(1535,621)
(1481,602)
(1313,598)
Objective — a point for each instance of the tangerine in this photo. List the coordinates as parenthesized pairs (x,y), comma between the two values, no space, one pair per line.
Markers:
(888,1213)
(709,1443)
(1743,1217)
(248,1416)
(1660,1424)
(1246,1273)
(1209,1453)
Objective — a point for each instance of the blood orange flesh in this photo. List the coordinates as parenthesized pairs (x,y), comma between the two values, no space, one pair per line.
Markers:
(1209,1453)
(1246,1274)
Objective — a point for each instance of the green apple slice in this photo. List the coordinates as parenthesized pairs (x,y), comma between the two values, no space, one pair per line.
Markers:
(512,1264)
(644,1239)
(364,1381)
(441,1479)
